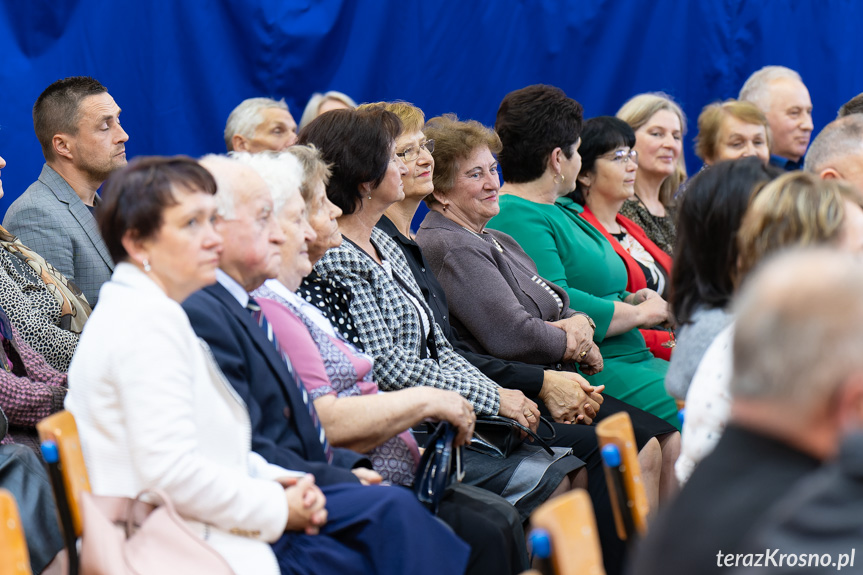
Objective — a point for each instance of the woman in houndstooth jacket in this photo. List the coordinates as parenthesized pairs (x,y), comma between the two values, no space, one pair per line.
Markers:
(394,324)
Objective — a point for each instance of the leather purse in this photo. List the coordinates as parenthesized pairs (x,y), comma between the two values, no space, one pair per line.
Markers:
(439,466)
(498,436)
(125,536)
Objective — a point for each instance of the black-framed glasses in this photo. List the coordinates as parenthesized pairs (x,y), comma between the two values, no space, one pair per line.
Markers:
(622,156)
(412,153)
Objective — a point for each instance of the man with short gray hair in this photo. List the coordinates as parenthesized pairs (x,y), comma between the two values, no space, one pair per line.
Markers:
(852,106)
(259,124)
(783,97)
(837,152)
(796,391)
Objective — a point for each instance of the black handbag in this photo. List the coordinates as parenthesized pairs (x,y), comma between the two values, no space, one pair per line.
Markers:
(498,436)
(439,466)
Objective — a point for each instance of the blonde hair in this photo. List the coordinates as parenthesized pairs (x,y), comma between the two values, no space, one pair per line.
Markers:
(636,112)
(710,124)
(412,117)
(795,209)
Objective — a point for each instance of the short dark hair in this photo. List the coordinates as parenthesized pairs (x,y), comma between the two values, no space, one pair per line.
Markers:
(600,136)
(531,123)
(852,106)
(358,146)
(135,197)
(57,109)
(705,256)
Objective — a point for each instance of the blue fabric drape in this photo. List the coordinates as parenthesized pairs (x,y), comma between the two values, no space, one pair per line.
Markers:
(177,68)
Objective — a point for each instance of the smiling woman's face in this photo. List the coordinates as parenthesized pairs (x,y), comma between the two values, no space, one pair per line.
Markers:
(473,200)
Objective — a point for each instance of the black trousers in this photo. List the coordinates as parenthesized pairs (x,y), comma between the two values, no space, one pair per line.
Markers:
(490,525)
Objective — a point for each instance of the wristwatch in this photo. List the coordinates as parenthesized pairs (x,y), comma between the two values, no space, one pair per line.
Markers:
(589,319)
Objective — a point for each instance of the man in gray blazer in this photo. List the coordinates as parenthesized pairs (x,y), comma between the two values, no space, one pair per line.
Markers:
(78,125)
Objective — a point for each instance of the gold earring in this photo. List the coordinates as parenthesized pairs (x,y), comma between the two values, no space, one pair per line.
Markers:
(562,178)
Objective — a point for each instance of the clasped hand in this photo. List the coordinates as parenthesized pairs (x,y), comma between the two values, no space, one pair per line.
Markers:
(306,504)
(570,398)
(580,348)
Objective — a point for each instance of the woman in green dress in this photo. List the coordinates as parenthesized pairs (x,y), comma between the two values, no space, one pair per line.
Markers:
(539,129)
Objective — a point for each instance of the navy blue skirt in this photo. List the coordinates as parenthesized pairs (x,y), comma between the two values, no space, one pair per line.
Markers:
(373,530)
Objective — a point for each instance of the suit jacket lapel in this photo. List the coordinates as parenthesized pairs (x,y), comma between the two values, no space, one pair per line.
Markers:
(79,211)
(277,365)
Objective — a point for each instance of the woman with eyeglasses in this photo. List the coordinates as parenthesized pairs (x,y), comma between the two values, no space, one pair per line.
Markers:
(609,163)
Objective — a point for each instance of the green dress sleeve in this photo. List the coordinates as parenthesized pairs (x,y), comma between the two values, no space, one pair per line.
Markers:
(565,251)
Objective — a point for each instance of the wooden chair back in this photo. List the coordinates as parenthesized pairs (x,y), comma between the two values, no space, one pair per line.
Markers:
(14,557)
(571,525)
(617,430)
(60,428)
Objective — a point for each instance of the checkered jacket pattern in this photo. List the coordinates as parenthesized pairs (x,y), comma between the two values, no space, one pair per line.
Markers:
(390,328)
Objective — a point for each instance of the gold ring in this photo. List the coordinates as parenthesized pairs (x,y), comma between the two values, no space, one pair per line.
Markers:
(584,353)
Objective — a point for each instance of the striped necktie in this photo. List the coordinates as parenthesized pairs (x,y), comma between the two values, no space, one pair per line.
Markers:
(261,320)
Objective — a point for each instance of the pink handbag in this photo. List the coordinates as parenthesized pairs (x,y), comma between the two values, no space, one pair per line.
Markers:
(124,536)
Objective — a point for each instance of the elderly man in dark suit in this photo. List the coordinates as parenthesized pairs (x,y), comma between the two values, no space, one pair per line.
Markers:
(78,125)
(797,389)
(376,522)
(284,431)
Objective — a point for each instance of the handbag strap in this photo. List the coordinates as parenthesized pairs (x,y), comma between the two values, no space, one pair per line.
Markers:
(506,421)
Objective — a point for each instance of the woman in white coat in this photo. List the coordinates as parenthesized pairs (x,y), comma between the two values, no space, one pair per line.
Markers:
(152,408)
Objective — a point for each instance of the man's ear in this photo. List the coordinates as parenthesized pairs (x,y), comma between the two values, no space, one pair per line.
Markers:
(849,404)
(239,143)
(830,174)
(63,145)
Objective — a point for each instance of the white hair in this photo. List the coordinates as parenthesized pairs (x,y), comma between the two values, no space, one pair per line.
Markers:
(839,138)
(756,87)
(228,174)
(246,117)
(281,171)
(311,110)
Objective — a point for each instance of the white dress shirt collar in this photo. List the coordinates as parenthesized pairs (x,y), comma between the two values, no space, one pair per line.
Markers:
(233,287)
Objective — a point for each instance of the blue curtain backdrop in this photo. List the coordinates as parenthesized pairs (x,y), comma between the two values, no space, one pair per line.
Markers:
(177,67)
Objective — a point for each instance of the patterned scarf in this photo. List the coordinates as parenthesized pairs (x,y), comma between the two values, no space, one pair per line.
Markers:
(74,308)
